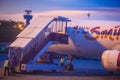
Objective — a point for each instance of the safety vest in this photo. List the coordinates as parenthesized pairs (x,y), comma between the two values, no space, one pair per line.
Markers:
(62,60)
(6,63)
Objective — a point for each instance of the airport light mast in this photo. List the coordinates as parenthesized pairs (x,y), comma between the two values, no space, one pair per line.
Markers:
(28,17)
(88,16)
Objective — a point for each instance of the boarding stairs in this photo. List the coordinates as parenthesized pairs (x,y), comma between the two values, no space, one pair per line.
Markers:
(48,31)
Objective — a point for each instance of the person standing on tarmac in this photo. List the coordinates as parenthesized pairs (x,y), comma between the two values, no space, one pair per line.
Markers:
(13,64)
(69,66)
(62,61)
(6,67)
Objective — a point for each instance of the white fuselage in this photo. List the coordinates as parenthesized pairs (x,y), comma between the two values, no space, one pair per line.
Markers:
(90,38)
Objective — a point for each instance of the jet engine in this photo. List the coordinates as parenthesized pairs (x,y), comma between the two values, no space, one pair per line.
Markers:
(111,60)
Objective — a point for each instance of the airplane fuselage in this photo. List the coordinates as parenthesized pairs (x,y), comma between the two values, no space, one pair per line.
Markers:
(91,40)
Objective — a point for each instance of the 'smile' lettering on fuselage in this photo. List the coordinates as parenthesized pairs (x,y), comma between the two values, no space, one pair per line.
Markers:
(112,33)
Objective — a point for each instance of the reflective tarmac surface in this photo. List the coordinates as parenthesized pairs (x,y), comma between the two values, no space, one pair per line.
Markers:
(83,70)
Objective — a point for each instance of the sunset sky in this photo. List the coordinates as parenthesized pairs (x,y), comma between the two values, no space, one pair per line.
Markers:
(108,8)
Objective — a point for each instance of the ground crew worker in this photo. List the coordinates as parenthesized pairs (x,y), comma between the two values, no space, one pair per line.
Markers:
(6,67)
(13,64)
(62,61)
(69,66)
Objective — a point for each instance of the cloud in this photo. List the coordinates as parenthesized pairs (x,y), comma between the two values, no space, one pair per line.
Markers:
(19,16)
(78,14)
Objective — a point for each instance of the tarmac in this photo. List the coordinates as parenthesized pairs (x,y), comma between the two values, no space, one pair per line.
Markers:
(83,70)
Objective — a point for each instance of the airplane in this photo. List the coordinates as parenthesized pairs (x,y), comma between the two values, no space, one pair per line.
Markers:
(96,38)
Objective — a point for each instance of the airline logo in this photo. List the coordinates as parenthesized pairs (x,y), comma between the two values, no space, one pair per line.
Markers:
(112,34)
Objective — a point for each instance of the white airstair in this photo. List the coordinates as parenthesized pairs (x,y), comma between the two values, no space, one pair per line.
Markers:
(35,39)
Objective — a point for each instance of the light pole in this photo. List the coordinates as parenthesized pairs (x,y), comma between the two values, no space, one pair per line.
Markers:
(88,15)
